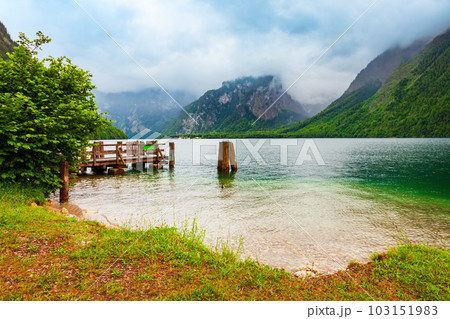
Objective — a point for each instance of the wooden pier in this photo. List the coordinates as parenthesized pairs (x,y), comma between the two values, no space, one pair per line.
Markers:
(115,157)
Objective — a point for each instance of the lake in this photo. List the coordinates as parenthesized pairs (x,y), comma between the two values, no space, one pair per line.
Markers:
(293,202)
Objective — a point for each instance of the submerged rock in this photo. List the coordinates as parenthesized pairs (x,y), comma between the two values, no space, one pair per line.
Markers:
(306,272)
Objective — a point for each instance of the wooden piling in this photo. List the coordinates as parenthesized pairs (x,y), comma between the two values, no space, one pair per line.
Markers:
(101,148)
(227,155)
(223,163)
(220,158)
(233,158)
(119,153)
(119,158)
(94,154)
(171,155)
(64,175)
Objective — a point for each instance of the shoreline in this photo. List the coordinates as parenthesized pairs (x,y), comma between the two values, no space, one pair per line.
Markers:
(47,256)
(73,210)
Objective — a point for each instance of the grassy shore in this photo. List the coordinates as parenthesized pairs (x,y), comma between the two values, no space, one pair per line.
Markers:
(45,256)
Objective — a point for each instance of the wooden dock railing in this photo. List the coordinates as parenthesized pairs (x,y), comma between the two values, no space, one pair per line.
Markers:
(115,157)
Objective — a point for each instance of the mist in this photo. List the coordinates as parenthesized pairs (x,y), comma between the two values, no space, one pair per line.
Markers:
(196,45)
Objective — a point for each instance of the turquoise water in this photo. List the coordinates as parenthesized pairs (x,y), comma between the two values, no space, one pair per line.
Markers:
(286,212)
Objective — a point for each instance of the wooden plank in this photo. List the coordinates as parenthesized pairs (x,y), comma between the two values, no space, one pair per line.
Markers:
(114,164)
(109,145)
(125,158)
(107,152)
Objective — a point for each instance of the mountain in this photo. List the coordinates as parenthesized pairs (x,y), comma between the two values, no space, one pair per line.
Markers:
(6,43)
(147,109)
(236,105)
(413,100)
(379,69)
(108,132)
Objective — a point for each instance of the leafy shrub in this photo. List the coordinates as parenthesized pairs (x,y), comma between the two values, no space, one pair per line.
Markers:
(47,113)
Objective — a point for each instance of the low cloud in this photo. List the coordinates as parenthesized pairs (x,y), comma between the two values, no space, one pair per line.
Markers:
(195,45)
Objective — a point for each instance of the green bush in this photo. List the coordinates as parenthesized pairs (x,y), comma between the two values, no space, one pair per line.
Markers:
(47,113)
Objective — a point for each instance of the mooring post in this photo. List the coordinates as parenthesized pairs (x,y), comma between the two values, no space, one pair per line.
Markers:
(220,158)
(223,163)
(64,175)
(226,157)
(233,158)
(171,155)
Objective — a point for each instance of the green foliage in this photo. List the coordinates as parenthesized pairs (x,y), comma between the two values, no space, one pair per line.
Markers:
(324,124)
(108,132)
(20,194)
(47,113)
(421,268)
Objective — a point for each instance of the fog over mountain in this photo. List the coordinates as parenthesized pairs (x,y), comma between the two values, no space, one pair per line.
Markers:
(195,45)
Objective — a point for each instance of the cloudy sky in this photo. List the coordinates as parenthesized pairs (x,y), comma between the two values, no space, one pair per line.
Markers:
(194,45)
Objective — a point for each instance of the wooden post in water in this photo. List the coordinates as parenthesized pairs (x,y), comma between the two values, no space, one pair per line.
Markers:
(64,175)
(223,163)
(227,155)
(220,158)
(233,158)
(171,155)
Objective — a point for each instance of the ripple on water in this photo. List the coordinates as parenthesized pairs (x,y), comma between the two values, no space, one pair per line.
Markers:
(292,217)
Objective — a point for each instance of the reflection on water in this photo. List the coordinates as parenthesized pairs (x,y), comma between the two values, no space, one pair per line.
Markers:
(226,179)
(290,215)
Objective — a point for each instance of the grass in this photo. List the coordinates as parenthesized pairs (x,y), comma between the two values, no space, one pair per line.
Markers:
(44,256)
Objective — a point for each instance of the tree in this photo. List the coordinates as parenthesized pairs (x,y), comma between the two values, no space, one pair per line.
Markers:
(47,113)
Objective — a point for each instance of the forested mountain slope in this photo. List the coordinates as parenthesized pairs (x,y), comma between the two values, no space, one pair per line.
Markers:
(414,101)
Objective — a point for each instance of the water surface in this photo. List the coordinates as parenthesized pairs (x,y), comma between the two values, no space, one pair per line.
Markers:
(289,215)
